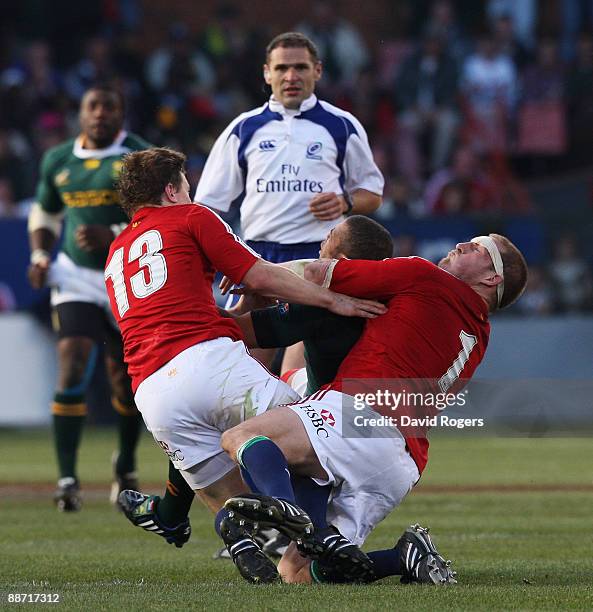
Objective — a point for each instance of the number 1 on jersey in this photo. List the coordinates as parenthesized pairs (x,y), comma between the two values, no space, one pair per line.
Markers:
(152,261)
(468,342)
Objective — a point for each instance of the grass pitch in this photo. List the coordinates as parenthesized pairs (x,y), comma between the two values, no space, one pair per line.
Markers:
(515,515)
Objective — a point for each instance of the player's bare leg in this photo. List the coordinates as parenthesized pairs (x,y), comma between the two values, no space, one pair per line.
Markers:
(293,567)
(73,355)
(294,358)
(264,356)
(119,381)
(218,492)
(286,430)
(265,446)
(245,552)
(75,365)
(129,427)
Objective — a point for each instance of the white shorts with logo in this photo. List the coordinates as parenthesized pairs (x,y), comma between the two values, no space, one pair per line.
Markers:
(70,282)
(370,469)
(203,391)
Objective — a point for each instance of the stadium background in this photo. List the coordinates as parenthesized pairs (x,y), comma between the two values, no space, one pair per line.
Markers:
(513,512)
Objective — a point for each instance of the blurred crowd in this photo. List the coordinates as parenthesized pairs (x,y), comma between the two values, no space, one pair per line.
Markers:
(461,105)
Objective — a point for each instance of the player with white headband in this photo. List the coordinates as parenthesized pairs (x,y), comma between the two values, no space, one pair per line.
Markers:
(490,245)
(436,332)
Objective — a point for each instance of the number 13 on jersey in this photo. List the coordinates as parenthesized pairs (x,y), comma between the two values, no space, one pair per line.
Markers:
(152,274)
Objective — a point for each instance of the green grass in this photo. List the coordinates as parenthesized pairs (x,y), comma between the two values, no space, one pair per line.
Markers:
(523,549)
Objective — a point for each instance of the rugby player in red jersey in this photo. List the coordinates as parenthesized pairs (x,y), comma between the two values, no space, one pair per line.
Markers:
(191,374)
(436,329)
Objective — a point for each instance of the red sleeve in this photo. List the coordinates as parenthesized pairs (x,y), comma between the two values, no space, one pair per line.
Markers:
(224,249)
(379,280)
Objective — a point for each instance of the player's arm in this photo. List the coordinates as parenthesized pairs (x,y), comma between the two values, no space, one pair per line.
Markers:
(363,180)
(222,179)
(97,237)
(226,284)
(233,258)
(273,280)
(44,225)
(225,313)
(41,242)
(363,185)
(244,322)
(364,202)
(379,280)
(329,206)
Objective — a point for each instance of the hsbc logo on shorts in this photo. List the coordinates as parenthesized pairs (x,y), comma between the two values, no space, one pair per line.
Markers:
(174,455)
(319,422)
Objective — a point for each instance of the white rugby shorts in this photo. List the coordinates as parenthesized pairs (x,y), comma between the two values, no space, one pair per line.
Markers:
(203,391)
(70,282)
(370,470)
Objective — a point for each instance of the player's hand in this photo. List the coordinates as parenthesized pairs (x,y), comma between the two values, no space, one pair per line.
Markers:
(225,285)
(93,237)
(327,206)
(37,274)
(356,307)
(250,301)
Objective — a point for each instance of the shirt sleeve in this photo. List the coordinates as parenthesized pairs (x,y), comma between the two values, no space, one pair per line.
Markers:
(47,195)
(286,324)
(224,249)
(360,169)
(222,180)
(379,280)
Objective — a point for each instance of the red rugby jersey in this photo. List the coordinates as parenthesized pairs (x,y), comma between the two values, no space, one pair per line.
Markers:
(159,277)
(436,328)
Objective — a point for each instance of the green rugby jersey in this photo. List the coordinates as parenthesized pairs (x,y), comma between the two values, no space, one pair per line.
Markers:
(82,183)
(327,337)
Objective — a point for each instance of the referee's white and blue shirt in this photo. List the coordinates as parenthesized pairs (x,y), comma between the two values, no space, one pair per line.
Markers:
(280,159)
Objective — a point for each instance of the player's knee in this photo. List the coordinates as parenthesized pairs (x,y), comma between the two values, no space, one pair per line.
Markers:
(126,406)
(232,439)
(122,393)
(119,380)
(227,442)
(74,362)
(71,378)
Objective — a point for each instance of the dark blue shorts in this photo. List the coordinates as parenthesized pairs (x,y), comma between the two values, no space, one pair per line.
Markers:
(278,253)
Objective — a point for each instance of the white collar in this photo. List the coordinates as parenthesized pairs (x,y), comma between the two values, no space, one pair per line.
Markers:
(115,148)
(306,105)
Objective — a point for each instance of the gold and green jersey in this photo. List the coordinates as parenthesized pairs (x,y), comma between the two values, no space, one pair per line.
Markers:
(82,183)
